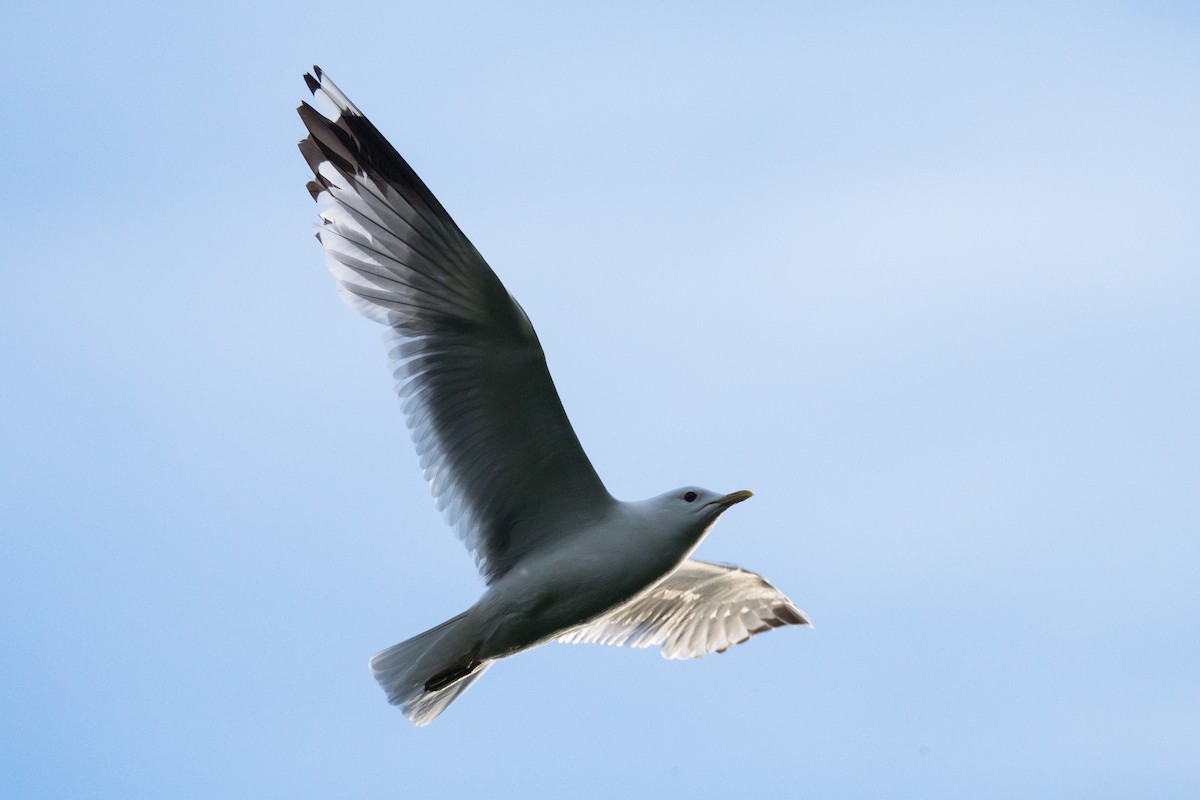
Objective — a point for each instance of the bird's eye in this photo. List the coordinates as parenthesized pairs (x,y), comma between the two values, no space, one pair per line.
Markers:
(689,497)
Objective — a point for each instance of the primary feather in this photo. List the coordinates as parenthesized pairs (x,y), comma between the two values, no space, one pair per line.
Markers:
(496,447)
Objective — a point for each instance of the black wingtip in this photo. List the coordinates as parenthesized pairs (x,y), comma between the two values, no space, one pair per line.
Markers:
(788,616)
(317,71)
(312,83)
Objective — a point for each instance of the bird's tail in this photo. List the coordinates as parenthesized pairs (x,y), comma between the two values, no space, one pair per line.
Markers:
(428,672)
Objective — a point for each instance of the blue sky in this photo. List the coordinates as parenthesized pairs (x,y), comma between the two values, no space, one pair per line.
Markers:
(926,279)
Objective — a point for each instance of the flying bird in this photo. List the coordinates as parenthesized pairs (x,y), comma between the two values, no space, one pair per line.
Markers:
(561,558)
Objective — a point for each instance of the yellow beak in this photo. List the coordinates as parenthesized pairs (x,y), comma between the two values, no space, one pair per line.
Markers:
(734,497)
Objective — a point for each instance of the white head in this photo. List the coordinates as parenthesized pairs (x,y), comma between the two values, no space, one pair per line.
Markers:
(687,513)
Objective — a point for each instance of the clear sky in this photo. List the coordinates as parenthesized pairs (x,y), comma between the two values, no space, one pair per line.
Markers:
(924,276)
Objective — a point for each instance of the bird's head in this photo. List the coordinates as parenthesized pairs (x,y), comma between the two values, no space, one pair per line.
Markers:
(689,512)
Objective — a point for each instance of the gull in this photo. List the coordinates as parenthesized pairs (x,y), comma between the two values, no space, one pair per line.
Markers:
(561,558)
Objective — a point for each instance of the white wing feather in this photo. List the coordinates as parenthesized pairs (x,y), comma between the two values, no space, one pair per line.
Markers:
(697,609)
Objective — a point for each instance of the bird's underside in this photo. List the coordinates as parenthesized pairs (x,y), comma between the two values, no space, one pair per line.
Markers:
(500,456)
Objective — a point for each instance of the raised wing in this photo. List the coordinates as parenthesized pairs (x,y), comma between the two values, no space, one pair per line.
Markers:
(698,608)
(497,449)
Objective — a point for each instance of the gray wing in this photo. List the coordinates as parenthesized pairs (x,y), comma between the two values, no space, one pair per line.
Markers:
(497,449)
(698,608)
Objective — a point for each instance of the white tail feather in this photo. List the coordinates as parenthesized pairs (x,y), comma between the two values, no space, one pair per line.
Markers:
(423,708)
(405,669)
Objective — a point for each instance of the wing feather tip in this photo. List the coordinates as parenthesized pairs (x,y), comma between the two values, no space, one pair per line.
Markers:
(790,615)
